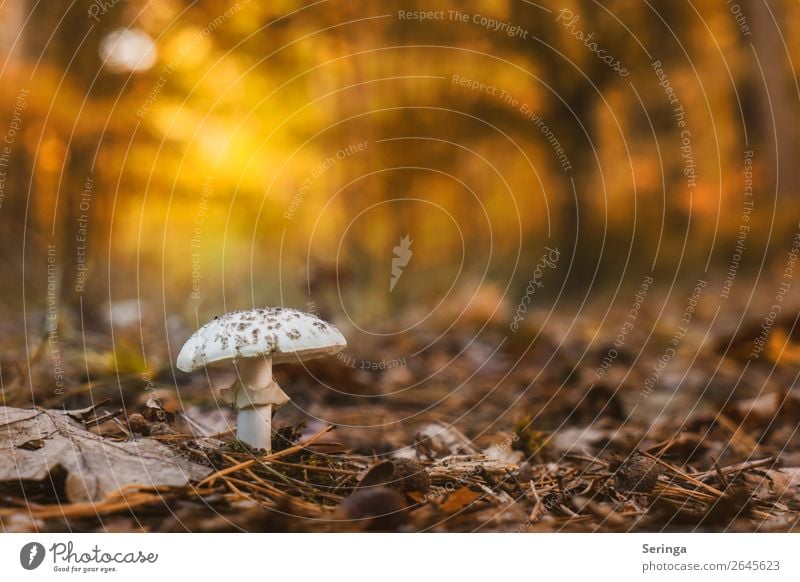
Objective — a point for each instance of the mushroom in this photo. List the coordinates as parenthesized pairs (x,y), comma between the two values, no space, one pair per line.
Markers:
(255,340)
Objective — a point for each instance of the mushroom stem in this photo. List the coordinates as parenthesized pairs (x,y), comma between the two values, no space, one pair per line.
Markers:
(254,426)
(255,394)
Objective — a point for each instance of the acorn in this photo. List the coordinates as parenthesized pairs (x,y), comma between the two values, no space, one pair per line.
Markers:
(636,474)
(137,424)
(410,475)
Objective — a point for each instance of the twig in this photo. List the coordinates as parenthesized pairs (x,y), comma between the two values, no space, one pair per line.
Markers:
(682,474)
(245,495)
(86,509)
(738,435)
(331,470)
(738,468)
(587,458)
(720,474)
(122,427)
(538,507)
(249,463)
(97,420)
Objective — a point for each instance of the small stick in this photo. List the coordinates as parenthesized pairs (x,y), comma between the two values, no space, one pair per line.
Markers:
(252,474)
(246,464)
(568,511)
(738,434)
(100,419)
(297,447)
(171,437)
(662,447)
(739,467)
(226,471)
(266,490)
(224,433)
(720,474)
(86,509)
(677,471)
(246,496)
(538,507)
(332,470)
(278,474)
(122,427)
(681,492)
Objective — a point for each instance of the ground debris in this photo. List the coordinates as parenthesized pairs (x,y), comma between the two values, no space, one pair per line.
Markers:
(521,442)
(37,444)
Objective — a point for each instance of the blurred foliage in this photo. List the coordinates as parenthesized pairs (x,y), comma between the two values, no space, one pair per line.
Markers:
(195,162)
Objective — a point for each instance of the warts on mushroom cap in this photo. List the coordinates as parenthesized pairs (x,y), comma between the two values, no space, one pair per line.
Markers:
(282,333)
(256,339)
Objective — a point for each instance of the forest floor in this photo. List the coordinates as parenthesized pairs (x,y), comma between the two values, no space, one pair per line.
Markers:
(560,426)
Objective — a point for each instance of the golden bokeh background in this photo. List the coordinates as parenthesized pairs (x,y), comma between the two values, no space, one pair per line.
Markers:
(238,153)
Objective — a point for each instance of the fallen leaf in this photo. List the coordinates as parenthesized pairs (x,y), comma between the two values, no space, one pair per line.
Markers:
(441,440)
(777,483)
(459,499)
(417,496)
(33,443)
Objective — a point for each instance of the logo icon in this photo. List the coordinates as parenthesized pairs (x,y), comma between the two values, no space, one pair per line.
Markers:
(31,555)
(402,254)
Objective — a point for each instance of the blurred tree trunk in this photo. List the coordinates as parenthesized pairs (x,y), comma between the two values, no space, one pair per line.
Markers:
(777,108)
(66,38)
(12,19)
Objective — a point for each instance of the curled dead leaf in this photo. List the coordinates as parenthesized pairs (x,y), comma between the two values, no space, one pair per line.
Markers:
(94,466)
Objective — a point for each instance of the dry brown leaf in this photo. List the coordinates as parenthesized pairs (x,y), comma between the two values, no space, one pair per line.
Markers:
(459,499)
(417,496)
(33,443)
(779,484)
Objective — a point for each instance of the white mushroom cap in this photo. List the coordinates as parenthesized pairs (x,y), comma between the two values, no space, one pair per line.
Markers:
(281,333)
